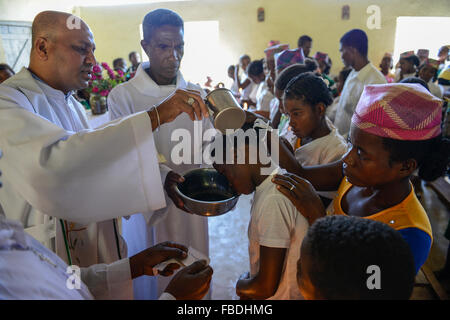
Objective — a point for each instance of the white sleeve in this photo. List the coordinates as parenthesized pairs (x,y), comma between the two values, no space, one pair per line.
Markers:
(276,223)
(109,281)
(115,108)
(152,218)
(84,177)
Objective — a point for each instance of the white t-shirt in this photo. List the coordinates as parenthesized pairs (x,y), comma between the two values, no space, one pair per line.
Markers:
(263,97)
(322,150)
(276,223)
(249,93)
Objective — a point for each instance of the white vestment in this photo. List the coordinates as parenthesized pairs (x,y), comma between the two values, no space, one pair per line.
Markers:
(54,167)
(138,94)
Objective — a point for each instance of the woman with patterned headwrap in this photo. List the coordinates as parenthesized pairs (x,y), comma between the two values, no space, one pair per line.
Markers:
(395,130)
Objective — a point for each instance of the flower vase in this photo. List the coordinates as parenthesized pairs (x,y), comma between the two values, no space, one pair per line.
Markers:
(98,104)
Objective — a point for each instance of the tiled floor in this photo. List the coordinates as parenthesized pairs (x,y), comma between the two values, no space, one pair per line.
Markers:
(228,243)
(228,248)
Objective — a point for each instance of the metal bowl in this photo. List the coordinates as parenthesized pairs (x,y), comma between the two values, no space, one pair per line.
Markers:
(206,192)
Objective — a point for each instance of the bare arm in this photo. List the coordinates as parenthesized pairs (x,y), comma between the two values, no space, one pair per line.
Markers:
(325,177)
(241,85)
(265,283)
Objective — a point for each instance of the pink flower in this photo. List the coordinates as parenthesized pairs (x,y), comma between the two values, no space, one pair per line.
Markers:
(97,69)
(104,93)
(120,73)
(111,74)
(93,77)
(95,89)
(105,65)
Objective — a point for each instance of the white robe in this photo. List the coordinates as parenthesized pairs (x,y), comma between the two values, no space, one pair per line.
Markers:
(54,166)
(141,93)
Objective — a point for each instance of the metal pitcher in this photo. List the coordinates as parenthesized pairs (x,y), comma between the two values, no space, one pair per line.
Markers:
(225,110)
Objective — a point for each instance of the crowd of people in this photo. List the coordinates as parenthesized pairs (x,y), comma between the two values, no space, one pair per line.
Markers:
(338,203)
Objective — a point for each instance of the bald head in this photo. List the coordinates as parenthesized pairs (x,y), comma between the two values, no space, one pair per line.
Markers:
(53,24)
(62,53)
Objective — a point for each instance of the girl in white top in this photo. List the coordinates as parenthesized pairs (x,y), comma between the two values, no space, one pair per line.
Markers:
(306,99)
(318,141)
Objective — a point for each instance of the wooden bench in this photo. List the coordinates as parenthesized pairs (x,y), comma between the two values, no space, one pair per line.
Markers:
(427,287)
(442,188)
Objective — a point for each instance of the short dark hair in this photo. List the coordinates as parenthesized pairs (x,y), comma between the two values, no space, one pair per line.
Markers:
(4,66)
(432,155)
(310,88)
(117,61)
(415,80)
(158,18)
(413,60)
(245,56)
(255,68)
(303,39)
(311,64)
(356,38)
(287,74)
(231,142)
(341,248)
(131,53)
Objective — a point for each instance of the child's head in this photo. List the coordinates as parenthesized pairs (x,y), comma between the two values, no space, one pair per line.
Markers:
(324,62)
(443,53)
(255,71)
(429,70)
(340,253)
(241,161)
(409,62)
(305,42)
(120,64)
(386,63)
(244,61)
(396,129)
(306,98)
(283,79)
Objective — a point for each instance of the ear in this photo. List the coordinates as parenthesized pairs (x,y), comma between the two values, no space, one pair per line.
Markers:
(320,109)
(144,45)
(41,46)
(408,167)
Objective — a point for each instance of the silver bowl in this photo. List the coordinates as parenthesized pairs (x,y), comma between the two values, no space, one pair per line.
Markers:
(206,192)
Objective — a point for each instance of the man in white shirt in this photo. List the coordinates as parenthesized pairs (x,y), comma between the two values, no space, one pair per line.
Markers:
(354,48)
(62,178)
(154,81)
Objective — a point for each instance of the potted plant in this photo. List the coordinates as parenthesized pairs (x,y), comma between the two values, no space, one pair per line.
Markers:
(103,80)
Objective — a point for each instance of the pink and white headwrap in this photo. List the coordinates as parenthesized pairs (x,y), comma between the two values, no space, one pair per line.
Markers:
(401,111)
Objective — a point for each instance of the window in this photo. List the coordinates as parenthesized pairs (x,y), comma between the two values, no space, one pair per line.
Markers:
(414,33)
